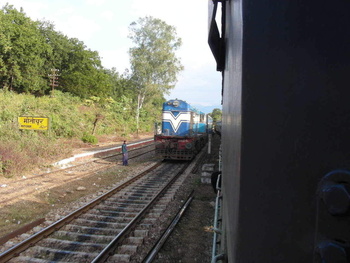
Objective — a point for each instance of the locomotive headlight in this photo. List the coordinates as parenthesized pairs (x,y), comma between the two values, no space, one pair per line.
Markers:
(188,146)
(176,103)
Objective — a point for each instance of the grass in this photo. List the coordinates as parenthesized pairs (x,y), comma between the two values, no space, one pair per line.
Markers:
(14,216)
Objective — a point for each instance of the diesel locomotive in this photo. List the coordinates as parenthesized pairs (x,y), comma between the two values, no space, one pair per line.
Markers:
(184,131)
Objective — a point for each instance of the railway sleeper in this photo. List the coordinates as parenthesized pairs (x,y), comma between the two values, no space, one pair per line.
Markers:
(121,219)
(168,197)
(119,258)
(99,223)
(51,254)
(135,240)
(154,214)
(140,233)
(135,197)
(127,249)
(144,188)
(158,181)
(91,230)
(65,235)
(122,203)
(138,194)
(113,212)
(154,184)
(158,210)
(147,222)
(113,215)
(126,200)
(140,191)
(76,246)
(149,188)
(23,259)
(164,200)
(125,208)
(146,225)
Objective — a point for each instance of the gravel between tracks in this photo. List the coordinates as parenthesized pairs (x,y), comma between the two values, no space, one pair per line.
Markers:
(191,240)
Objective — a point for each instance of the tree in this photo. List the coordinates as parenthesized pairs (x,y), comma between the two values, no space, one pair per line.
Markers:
(216,114)
(154,65)
(23,52)
(81,72)
(30,50)
(121,85)
(59,43)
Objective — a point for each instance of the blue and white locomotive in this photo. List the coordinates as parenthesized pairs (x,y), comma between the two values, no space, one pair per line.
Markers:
(184,131)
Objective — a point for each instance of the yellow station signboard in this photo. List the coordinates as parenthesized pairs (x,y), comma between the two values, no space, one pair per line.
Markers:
(33,123)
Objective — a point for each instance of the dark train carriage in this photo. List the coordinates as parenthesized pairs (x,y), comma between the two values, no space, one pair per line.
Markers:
(183,132)
(285,130)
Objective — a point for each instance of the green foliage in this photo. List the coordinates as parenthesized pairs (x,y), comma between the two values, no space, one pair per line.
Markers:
(153,61)
(88,138)
(82,74)
(154,64)
(130,102)
(216,114)
(70,117)
(22,52)
(29,50)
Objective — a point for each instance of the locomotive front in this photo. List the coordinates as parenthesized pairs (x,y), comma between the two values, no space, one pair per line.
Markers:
(180,137)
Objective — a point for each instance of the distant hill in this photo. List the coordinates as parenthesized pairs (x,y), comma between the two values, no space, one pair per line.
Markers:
(207,109)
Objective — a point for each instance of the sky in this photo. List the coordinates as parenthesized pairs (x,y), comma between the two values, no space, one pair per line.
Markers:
(103,26)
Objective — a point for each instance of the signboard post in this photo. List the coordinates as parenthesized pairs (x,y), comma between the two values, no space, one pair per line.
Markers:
(33,123)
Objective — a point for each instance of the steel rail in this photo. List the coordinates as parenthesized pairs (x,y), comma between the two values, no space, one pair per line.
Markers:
(217,226)
(142,143)
(20,247)
(78,165)
(101,157)
(112,246)
(154,251)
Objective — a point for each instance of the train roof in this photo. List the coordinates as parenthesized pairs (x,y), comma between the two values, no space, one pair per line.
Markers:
(179,105)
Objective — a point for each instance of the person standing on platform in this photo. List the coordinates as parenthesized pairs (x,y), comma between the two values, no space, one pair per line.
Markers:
(125,153)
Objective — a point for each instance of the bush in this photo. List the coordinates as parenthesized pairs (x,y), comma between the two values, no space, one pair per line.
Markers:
(5,167)
(22,150)
(12,160)
(88,138)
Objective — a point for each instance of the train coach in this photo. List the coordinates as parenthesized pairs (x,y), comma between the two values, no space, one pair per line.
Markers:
(184,131)
(285,181)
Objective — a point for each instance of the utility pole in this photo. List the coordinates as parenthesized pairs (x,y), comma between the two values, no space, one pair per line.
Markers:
(54,79)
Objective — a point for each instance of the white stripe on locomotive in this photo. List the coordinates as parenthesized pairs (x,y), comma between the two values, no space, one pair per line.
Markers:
(176,121)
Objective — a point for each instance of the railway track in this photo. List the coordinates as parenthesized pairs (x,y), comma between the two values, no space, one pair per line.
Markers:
(111,228)
(44,181)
